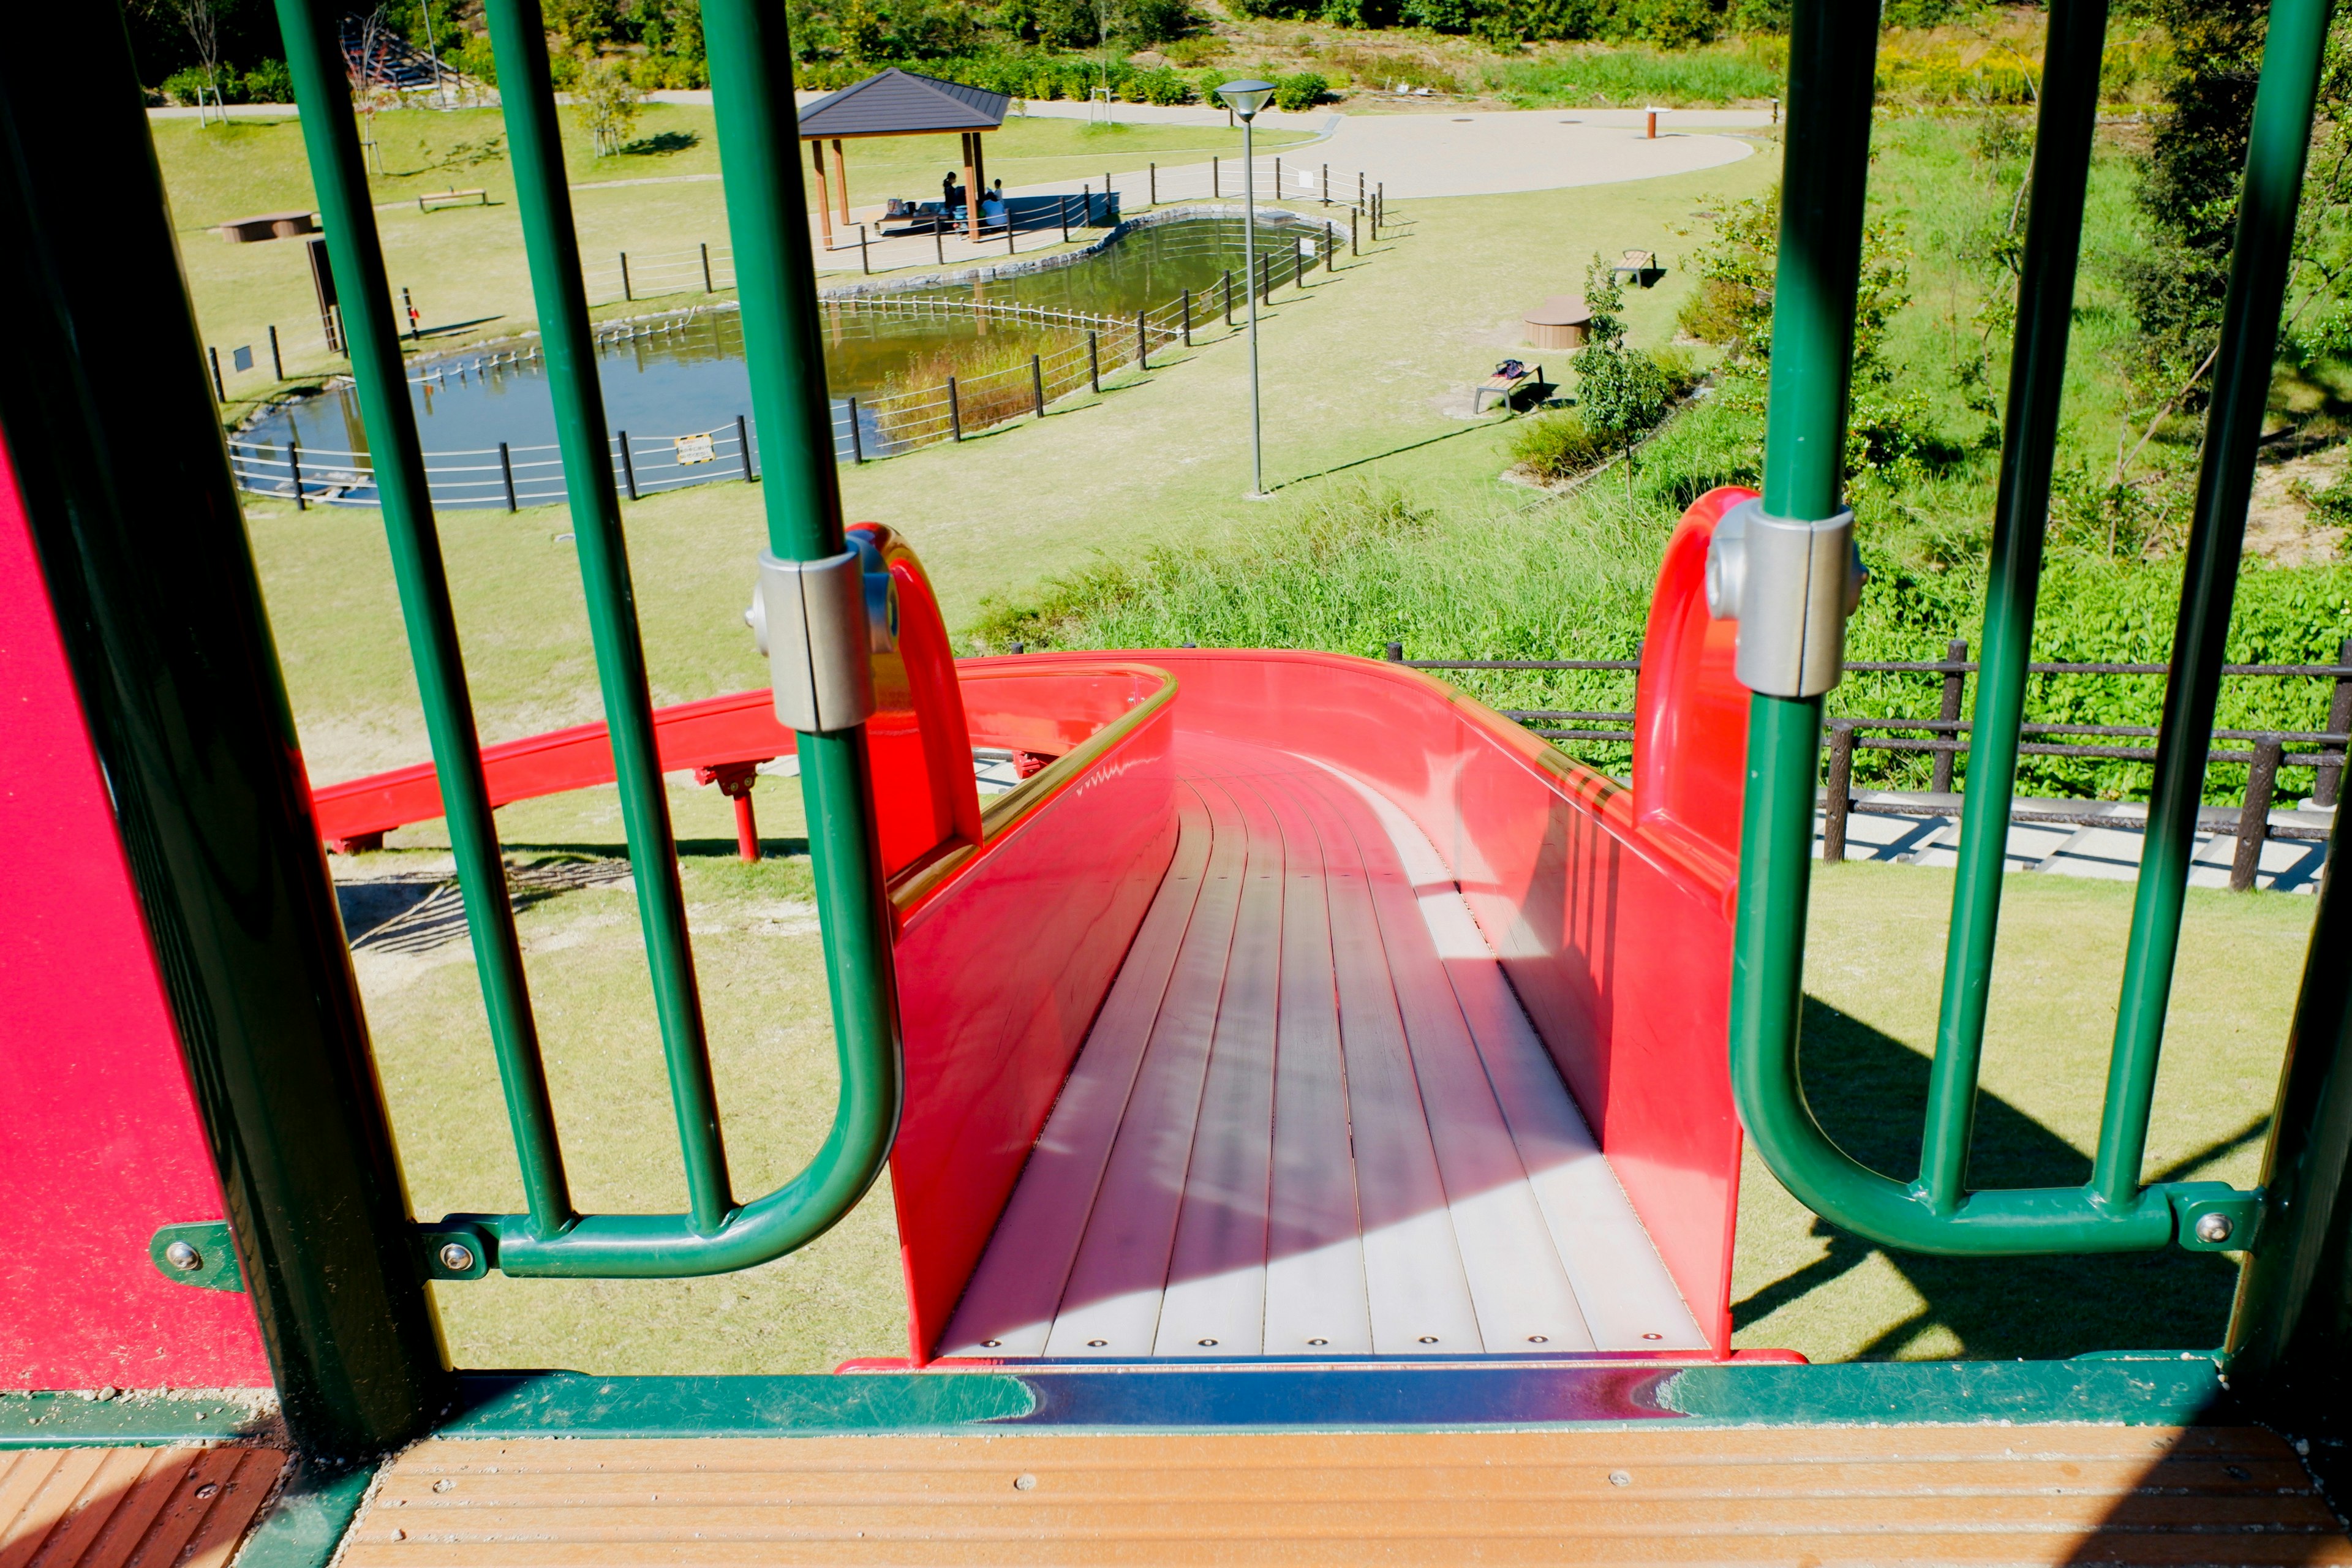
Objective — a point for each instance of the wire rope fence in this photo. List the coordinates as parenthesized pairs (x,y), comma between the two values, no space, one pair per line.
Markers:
(1604,736)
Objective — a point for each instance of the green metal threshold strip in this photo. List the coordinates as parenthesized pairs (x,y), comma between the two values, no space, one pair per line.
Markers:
(752,92)
(1831,78)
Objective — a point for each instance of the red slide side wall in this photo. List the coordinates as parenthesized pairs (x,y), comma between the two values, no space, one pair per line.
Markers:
(1616,935)
(101,1144)
(1002,971)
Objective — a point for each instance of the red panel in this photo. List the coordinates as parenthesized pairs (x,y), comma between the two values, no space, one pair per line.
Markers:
(919,752)
(1690,727)
(1615,934)
(1001,972)
(101,1144)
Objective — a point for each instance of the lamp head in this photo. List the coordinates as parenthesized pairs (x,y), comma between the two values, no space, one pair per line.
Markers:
(1246,97)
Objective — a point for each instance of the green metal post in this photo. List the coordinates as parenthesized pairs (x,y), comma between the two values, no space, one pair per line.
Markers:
(2279,138)
(752,82)
(109,424)
(519,38)
(314,57)
(2290,1335)
(2037,376)
(1831,66)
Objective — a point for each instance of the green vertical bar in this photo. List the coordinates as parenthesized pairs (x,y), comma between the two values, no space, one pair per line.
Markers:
(1831,66)
(2037,377)
(1832,54)
(752,86)
(518,37)
(2258,272)
(314,55)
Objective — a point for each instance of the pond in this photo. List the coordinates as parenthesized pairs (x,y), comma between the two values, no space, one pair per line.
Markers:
(678,389)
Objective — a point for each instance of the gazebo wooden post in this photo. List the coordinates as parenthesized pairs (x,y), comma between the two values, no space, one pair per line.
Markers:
(823,202)
(840,181)
(979,160)
(971,185)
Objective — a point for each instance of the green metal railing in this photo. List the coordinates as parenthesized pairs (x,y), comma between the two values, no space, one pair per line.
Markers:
(751,73)
(1831,67)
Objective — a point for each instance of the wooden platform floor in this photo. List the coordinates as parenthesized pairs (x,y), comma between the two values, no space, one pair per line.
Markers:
(114,1508)
(1818,1496)
(1312,1119)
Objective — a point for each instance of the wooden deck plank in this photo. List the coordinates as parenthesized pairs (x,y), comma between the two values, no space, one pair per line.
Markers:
(130,1507)
(48,1498)
(1518,1283)
(1008,1309)
(135,1515)
(1740,1495)
(1215,1300)
(1111,1307)
(1315,1298)
(111,1484)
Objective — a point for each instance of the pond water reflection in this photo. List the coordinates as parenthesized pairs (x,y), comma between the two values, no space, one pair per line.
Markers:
(887,357)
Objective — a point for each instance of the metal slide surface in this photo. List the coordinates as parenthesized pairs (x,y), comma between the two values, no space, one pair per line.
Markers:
(1312,1119)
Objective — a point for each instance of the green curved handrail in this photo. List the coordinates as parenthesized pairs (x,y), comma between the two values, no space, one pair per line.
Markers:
(1831,69)
(752,82)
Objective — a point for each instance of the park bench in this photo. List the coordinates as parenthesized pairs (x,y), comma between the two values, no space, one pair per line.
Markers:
(1506,383)
(452,199)
(1642,266)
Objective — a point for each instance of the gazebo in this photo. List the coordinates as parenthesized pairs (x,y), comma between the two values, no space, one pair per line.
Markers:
(898,103)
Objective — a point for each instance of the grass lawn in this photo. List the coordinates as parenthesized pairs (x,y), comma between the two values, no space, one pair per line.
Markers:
(1873,971)
(465,267)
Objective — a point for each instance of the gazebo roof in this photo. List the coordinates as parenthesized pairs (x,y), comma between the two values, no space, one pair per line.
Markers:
(901,103)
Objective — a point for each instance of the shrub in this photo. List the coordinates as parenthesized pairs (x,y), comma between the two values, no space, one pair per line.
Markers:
(1559,445)
(474,58)
(1302,91)
(1162,87)
(186,87)
(269,83)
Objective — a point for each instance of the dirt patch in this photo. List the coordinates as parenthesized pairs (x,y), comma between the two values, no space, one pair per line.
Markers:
(2282,523)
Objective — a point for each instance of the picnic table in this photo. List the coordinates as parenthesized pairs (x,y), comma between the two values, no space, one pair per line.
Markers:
(452,198)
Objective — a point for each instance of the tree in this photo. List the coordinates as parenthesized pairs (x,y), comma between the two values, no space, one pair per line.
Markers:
(2188,192)
(1620,391)
(203,24)
(609,104)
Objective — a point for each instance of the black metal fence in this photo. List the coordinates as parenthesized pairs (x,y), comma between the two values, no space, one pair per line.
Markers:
(2263,752)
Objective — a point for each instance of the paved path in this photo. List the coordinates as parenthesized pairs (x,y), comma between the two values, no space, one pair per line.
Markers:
(1411,155)
(2109,851)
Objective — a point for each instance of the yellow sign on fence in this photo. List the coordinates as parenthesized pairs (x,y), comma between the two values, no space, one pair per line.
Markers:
(695,448)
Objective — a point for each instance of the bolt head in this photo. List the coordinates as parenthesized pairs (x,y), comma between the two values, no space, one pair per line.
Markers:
(2214,1227)
(183,1257)
(1619,1478)
(456,1256)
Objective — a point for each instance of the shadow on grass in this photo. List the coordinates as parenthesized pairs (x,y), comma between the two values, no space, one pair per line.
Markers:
(1869,1091)
(1391,452)
(662,142)
(446,328)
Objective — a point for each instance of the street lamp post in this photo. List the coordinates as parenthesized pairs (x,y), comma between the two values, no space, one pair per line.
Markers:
(1246,99)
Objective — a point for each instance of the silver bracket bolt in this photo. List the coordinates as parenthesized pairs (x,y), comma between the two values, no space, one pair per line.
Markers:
(456,1256)
(183,1257)
(2214,1227)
